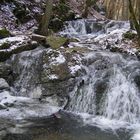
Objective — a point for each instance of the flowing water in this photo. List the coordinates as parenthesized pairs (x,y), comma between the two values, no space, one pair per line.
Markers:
(110,91)
(106,100)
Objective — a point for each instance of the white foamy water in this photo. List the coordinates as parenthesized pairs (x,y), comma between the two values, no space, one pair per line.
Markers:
(109,97)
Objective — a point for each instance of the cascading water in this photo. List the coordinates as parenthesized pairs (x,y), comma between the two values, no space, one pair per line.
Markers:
(122,101)
(110,90)
(100,89)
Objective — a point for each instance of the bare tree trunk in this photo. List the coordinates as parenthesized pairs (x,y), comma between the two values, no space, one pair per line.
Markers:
(43,27)
(134,19)
(135,22)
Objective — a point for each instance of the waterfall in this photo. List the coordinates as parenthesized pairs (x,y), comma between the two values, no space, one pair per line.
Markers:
(122,100)
(109,90)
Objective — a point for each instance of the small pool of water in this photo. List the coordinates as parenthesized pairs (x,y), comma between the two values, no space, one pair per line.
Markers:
(64,128)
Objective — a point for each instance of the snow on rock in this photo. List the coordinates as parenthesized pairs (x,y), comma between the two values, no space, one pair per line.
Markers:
(55,57)
(12,39)
(114,39)
(13,42)
(58,60)
(53,62)
(53,77)
(76,65)
(60,64)
(101,35)
(74,69)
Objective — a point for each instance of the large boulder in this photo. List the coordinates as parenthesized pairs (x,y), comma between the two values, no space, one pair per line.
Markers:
(14,45)
(46,73)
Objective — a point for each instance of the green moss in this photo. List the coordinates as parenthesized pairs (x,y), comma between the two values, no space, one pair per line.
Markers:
(4,33)
(4,56)
(5,45)
(129,35)
(56,42)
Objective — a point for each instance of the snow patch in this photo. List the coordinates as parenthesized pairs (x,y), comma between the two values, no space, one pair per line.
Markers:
(14,42)
(55,57)
(13,39)
(74,69)
(58,60)
(53,77)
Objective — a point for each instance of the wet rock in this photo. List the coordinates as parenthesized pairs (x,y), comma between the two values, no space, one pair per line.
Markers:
(3,84)
(100,89)
(7,104)
(5,70)
(2,106)
(94,27)
(137,80)
(16,45)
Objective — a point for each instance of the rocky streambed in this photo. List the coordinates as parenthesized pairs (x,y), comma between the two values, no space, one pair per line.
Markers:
(85,89)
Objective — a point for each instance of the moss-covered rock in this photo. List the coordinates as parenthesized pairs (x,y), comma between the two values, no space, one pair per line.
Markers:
(56,42)
(5,45)
(129,35)
(4,33)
